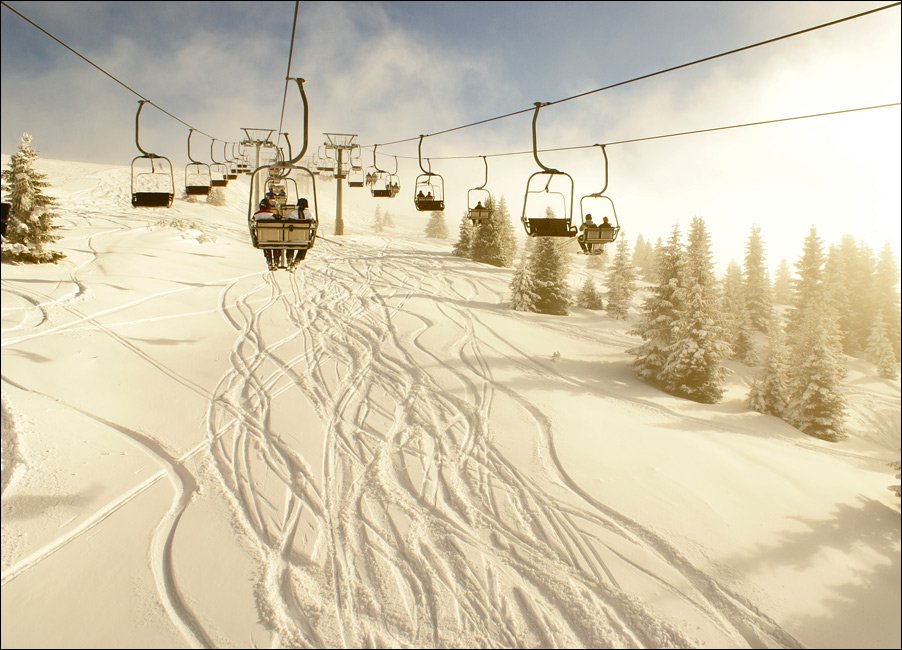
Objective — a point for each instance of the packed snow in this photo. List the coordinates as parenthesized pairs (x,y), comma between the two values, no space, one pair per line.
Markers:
(377,451)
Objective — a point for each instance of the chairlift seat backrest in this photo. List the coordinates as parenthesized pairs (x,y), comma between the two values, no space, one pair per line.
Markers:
(548,227)
(599,235)
(428,205)
(281,233)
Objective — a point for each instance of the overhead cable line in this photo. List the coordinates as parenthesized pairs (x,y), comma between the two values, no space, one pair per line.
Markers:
(662,136)
(649,75)
(111,76)
(294,26)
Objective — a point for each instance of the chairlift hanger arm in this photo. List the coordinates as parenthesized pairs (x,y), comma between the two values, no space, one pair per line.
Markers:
(215,162)
(486,163)
(296,159)
(535,148)
(420,156)
(605,156)
(193,161)
(141,103)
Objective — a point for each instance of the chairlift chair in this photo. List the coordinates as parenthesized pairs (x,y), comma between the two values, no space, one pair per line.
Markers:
(356,177)
(277,233)
(152,183)
(552,190)
(197,175)
(324,163)
(598,205)
(429,190)
(385,185)
(219,172)
(232,164)
(479,200)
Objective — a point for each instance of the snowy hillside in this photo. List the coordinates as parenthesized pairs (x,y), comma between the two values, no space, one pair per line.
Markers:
(377,451)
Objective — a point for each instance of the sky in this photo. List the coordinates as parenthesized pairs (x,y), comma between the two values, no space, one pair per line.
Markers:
(376,451)
(394,71)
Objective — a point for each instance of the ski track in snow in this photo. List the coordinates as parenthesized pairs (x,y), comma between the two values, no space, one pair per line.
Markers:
(414,529)
(411,527)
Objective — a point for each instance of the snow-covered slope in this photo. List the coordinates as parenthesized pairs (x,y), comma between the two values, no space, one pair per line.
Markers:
(377,451)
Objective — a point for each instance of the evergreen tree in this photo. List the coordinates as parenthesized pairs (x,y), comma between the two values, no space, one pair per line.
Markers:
(523,291)
(770,388)
(887,297)
(644,258)
(759,302)
(492,241)
(548,265)
(817,406)
(621,282)
(465,237)
(861,270)
(734,316)
(588,296)
(836,291)
(808,287)
(782,284)
(436,227)
(379,220)
(880,350)
(660,311)
(694,367)
(30,221)
(596,262)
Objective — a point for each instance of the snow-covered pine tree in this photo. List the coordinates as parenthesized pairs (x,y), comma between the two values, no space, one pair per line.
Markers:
(817,406)
(548,265)
(597,262)
(808,284)
(644,258)
(886,281)
(30,221)
(621,281)
(659,311)
(836,290)
(694,367)
(436,227)
(759,301)
(465,237)
(861,270)
(880,350)
(770,388)
(523,291)
(588,296)
(734,317)
(782,284)
(493,240)
(379,220)
(507,241)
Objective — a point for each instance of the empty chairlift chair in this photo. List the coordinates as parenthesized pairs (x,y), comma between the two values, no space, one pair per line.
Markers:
(152,183)
(548,202)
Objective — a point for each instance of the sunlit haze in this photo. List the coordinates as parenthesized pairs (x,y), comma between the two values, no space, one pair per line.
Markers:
(392,71)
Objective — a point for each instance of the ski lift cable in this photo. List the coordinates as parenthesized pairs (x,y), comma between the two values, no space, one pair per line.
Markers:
(655,74)
(667,135)
(294,25)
